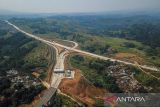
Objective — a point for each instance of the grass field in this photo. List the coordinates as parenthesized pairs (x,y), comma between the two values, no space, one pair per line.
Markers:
(118,44)
(138,50)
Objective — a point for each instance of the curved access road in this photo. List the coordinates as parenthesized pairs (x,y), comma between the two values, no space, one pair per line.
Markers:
(80,51)
(75,43)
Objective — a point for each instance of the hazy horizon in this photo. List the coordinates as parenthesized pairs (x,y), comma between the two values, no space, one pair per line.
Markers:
(75,6)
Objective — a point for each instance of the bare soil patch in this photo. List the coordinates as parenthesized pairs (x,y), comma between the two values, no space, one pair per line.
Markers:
(81,90)
(129,57)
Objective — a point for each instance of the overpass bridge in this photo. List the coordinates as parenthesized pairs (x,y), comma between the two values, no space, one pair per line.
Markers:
(57,76)
(48,95)
(59,67)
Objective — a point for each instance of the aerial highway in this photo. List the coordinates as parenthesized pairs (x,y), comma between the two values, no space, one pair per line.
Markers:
(59,69)
(60,58)
(58,72)
(80,51)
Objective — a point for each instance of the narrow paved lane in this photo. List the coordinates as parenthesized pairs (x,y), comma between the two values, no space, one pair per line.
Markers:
(80,51)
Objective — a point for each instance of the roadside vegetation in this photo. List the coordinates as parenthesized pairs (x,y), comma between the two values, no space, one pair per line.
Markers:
(95,72)
(147,80)
(21,54)
(60,101)
(108,35)
(131,38)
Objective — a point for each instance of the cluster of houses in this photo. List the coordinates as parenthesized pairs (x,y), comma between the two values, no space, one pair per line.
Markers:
(124,78)
(25,79)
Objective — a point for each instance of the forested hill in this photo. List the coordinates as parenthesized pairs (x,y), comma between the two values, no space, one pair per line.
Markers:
(147,33)
(15,47)
(143,28)
(19,56)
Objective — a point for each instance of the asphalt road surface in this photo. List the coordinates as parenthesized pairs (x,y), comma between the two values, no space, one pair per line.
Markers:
(80,51)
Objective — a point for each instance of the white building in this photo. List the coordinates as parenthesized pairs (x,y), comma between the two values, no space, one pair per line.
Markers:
(57,70)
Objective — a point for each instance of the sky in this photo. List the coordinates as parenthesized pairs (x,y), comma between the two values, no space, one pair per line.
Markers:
(63,6)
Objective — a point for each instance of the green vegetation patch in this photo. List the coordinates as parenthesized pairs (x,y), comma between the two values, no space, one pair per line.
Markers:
(60,101)
(22,54)
(107,35)
(37,57)
(95,71)
(147,80)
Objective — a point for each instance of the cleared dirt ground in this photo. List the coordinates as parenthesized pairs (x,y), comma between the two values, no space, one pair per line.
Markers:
(129,57)
(80,89)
